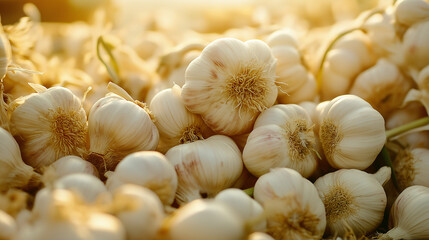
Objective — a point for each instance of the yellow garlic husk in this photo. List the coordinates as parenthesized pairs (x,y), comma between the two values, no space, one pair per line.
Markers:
(353,199)
(409,215)
(51,124)
(13,171)
(118,127)
(282,137)
(409,12)
(383,86)
(176,125)
(250,211)
(88,187)
(415,47)
(148,169)
(205,167)
(292,206)
(230,83)
(351,132)
(203,219)
(16,82)
(8,227)
(139,209)
(73,164)
(411,167)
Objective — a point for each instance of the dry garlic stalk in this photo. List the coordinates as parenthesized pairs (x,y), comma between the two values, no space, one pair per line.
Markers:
(14,173)
(148,169)
(176,125)
(282,137)
(230,83)
(409,215)
(351,132)
(205,167)
(412,167)
(292,206)
(8,228)
(203,219)
(354,199)
(73,164)
(51,124)
(118,125)
(88,187)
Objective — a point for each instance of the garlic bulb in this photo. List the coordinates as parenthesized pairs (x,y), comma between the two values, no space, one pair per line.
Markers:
(383,86)
(292,205)
(8,228)
(73,164)
(118,126)
(351,132)
(282,137)
(14,173)
(415,47)
(204,219)
(250,211)
(205,167)
(86,186)
(412,167)
(230,83)
(51,124)
(105,227)
(175,123)
(148,169)
(409,215)
(259,236)
(408,12)
(353,199)
(139,209)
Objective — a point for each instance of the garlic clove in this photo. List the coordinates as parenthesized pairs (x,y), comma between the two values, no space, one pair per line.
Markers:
(411,167)
(230,83)
(148,169)
(5,53)
(73,164)
(409,12)
(205,167)
(292,206)
(86,186)
(8,228)
(105,227)
(415,49)
(283,38)
(307,92)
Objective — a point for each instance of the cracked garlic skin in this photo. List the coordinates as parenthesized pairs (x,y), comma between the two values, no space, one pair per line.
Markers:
(292,206)
(351,132)
(282,137)
(51,124)
(353,199)
(205,167)
(230,83)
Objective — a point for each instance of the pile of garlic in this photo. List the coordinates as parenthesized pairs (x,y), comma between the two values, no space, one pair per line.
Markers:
(225,122)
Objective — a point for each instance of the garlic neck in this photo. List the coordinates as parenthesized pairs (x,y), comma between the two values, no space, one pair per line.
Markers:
(191,134)
(383,175)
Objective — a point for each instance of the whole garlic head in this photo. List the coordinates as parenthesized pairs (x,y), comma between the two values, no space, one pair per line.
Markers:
(351,132)
(353,199)
(205,167)
(88,187)
(412,167)
(282,137)
(73,164)
(292,206)
(230,83)
(415,49)
(51,124)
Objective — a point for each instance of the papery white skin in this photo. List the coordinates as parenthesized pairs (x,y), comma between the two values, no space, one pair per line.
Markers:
(52,124)
(5,53)
(73,164)
(415,47)
(282,137)
(8,228)
(291,202)
(140,211)
(204,219)
(409,12)
(148,169)
(353,199)
(259,236)
(205,167)
(88,187)
(422,93)
(351,132)
(249,210)
(175,123)
(412,167)
(230,83)
(409,215)
(13,171)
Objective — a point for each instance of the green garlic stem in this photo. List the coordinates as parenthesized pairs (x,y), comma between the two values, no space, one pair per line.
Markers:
(249,191)
(407,127)
(114,73)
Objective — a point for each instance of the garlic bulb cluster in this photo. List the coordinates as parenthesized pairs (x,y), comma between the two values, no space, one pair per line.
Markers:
(175,123)
(292,206)
(51,124)
(118,125)
(8,228)
(73,164)
(14,173)
(205,167)
(295,82)
(282,137)
(353,199)
(88,187)
(230,83)
(409,215)
(408,12)
(411,167)
(148,169)
(351,132)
